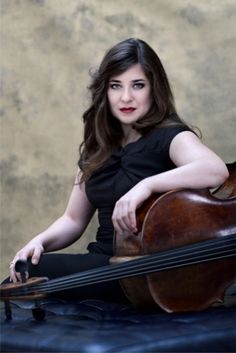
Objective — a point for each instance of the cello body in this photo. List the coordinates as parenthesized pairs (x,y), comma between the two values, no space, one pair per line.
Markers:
(175,219)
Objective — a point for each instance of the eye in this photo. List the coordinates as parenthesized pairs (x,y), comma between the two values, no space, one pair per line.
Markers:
(139,85)
(115,86)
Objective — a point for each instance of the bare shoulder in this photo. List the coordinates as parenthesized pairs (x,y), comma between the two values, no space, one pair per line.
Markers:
(186,137)
(187,147)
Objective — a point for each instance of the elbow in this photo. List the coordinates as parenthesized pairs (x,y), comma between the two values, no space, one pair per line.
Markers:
(220,174)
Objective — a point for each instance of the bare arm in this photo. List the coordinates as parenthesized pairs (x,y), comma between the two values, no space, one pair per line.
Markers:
(71,225)
(197,167)
(63,232)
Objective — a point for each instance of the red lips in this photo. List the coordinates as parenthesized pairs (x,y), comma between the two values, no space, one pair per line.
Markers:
(127,110)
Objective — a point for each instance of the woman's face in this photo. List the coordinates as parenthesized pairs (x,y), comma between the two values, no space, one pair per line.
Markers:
(129,95)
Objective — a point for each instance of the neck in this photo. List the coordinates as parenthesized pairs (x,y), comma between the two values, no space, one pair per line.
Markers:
(130,135)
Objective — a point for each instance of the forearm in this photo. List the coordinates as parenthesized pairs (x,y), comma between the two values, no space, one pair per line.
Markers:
(63,232)
(195,175)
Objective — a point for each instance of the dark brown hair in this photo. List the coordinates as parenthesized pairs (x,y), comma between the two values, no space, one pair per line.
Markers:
(102,131)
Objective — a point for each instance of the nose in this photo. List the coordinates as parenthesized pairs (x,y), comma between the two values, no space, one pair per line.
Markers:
(126,95)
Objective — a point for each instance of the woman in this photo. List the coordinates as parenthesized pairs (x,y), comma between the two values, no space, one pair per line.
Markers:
(134,144)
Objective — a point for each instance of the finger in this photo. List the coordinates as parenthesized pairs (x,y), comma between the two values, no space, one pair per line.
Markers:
(123,220)
(18,276)
(14,275)
(120,221)
(132,217)
(114,219)
(132,221)
(36,256)
(116,226)
(122,227)
(128,217)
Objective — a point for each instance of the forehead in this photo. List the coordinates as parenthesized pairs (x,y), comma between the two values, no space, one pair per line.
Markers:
(135,72)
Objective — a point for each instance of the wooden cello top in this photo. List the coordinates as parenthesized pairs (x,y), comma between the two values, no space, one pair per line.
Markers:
(179,218)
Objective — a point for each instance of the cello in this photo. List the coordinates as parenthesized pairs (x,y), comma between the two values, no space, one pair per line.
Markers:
(182,258)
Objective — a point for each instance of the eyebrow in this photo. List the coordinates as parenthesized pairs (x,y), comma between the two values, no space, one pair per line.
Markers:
(134,81)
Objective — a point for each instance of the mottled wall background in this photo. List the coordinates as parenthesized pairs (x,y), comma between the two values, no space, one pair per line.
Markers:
(47,50)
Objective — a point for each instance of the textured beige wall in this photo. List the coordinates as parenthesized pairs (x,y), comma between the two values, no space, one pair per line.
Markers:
(48,47)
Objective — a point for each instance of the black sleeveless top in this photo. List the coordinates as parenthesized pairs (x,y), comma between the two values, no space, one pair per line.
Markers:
(147,156)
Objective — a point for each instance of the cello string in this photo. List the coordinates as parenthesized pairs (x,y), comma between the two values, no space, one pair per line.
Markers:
(135,264)
(130,273)
(146,259)
(124,268)
(162,255)
(110,275)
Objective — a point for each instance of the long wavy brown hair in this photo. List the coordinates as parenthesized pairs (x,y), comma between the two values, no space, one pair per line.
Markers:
(102,131)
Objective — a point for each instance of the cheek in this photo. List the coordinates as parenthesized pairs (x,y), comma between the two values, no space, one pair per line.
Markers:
(146,101)
(110,98)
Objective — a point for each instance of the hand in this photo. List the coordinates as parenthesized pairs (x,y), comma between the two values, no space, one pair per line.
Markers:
(124,214)
(33,249)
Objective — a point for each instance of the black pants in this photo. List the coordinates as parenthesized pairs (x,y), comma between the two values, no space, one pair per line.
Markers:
(54,265)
